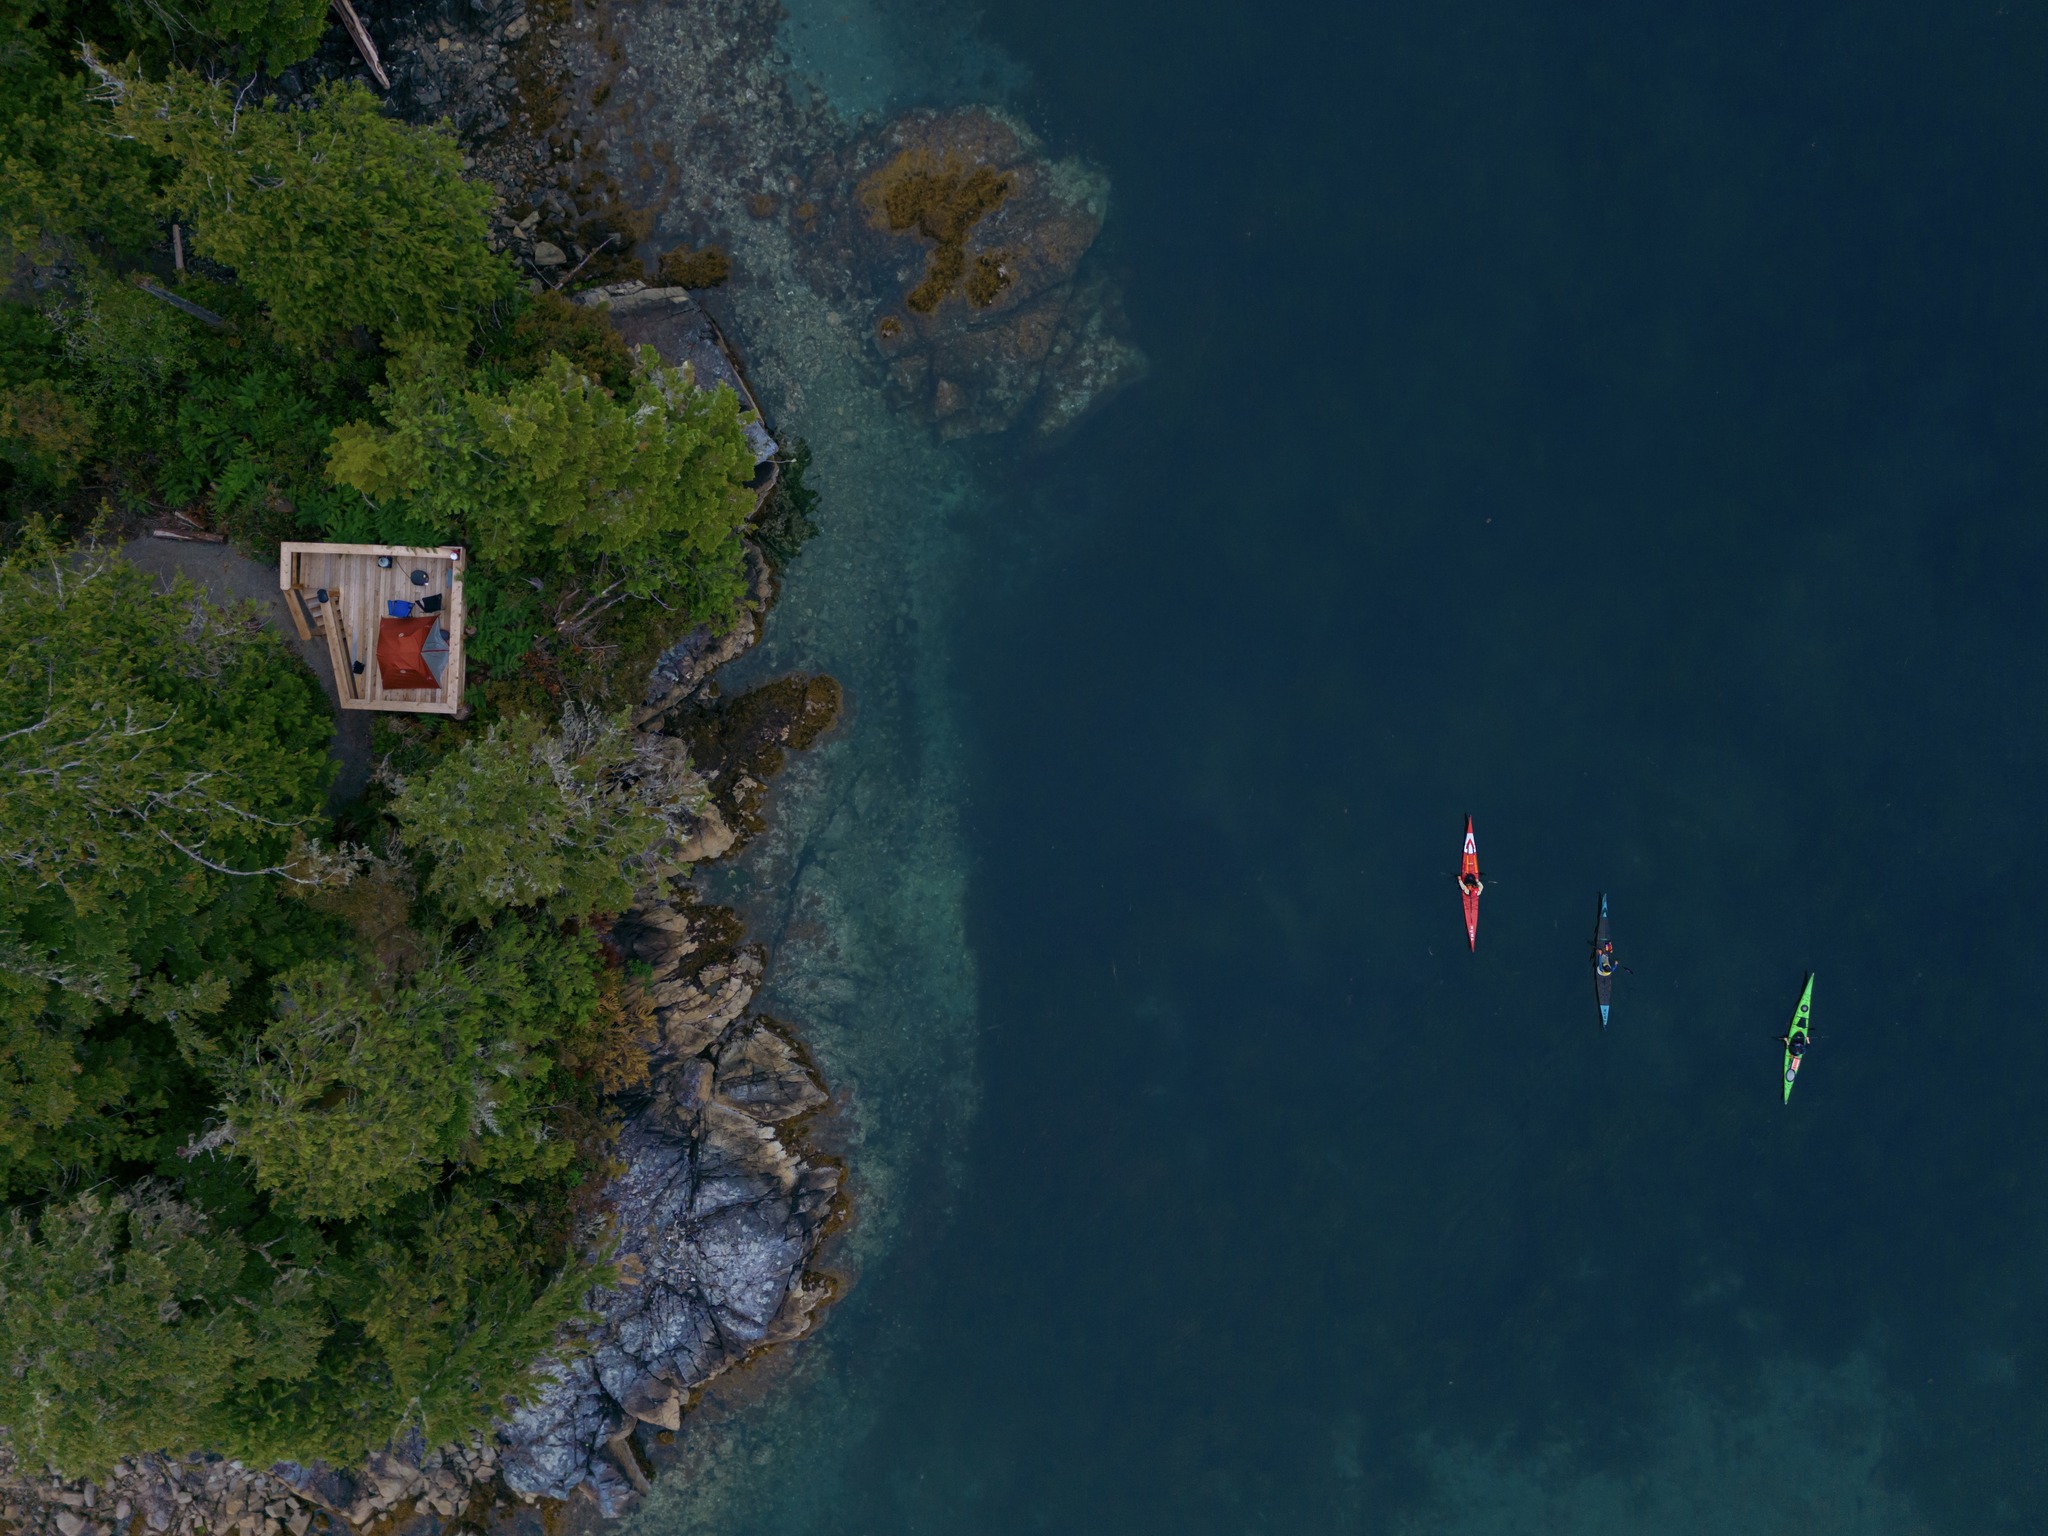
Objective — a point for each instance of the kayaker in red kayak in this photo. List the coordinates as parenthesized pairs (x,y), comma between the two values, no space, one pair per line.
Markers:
(1470,885)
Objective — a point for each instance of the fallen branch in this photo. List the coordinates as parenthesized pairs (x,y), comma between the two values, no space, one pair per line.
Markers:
(360,35)
(220,1136)
(195,311)
(607,240)
(573,625)
(188,536)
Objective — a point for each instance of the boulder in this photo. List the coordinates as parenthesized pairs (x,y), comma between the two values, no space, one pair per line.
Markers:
(761,1072)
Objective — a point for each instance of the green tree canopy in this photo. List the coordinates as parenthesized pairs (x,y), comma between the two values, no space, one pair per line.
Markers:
(365,1088)
(455,1328)
(152,747)
(127,1320)
(524,817)
(651,486)
(249,34)
(156,754)
(64,172)
(355,1093)
(333,215)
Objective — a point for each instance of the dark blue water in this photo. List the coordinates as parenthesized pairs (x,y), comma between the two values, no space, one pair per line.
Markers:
(1625,425)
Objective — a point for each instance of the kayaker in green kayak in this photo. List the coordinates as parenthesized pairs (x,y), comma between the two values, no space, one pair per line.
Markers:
(1798,1035)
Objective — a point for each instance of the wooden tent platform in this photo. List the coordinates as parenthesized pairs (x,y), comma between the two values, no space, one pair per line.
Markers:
(358,591)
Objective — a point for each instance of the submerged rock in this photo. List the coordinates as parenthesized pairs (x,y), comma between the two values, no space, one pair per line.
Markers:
(966,246)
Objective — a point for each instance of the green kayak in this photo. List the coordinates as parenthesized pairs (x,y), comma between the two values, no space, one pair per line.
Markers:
(1798,1036)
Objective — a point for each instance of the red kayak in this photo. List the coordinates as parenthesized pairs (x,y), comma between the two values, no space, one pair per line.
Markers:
(1469,886)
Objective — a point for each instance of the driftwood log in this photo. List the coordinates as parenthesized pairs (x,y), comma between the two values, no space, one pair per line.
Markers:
(360,35)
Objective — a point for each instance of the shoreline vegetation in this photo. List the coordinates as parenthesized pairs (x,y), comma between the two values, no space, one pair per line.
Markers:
(327,1143)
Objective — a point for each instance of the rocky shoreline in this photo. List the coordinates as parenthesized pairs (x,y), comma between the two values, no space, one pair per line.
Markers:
(717,1215)
(713,1221)
(956,253)
(720,1207)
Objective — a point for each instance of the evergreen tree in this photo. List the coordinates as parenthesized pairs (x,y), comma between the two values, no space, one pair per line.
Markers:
(354,1095)
(455,1324)
(65,176)
(160,762)
(365,1088)
(127,1321)
(249,34)
(333,215)
(649,489)
(522,817)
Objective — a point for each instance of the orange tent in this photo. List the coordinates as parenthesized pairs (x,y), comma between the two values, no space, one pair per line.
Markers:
(400,646)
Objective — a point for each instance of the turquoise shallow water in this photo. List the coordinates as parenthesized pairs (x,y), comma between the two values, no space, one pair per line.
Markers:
(1625,428)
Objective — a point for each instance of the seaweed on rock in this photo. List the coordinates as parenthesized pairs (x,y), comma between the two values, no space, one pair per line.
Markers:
(788,519)
(738,744)
(942,198)
(705,268)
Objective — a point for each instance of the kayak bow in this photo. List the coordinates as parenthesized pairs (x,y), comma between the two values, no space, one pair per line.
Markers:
(1469,886)
(1799,1032)
(1603,962)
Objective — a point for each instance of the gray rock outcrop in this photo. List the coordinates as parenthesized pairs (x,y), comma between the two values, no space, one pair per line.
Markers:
(715,1218)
